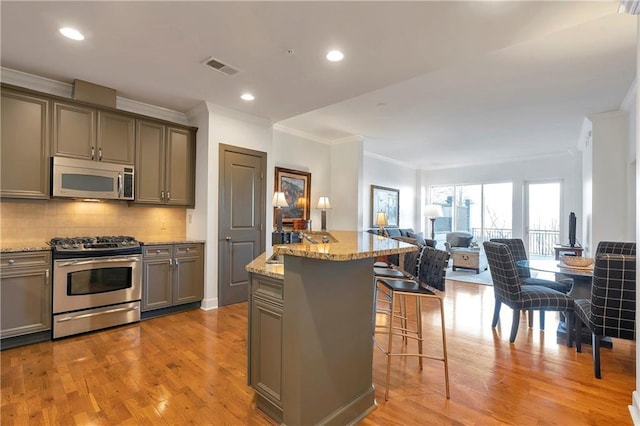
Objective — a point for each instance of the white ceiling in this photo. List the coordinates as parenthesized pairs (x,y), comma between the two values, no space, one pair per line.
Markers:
(427,83)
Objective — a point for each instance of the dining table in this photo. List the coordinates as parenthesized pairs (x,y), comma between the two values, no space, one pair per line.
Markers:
(581,289)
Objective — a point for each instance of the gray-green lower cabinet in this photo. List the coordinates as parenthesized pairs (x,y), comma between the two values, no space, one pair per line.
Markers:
(265,351)
(25,293)
(173,274)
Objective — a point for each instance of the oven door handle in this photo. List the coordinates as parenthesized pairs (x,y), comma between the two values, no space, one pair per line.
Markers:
(93,314)
(98,260)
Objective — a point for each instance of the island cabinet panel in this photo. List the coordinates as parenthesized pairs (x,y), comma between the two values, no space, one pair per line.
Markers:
(165,164)
(24,140)
(265,351)
(88,133)
(173,274)
(25,293)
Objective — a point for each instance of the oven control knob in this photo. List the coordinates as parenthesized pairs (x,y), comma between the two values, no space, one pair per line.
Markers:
(124,243)
(76,245)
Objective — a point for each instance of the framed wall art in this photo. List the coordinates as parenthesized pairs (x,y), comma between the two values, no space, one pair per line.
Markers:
(296,186)
(385,200)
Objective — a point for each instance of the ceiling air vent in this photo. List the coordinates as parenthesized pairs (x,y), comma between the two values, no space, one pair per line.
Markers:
(219,66)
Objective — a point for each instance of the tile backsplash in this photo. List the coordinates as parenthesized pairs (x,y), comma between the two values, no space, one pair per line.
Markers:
(22,221)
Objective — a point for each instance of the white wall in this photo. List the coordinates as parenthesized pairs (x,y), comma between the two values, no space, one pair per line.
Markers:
(391,174)
(300,153)
(346,184)
(566,168)
(608,152)
(218,126)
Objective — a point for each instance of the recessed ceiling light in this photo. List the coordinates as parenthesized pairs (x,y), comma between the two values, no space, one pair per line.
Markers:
(335,56)
(71,33)
(247,97)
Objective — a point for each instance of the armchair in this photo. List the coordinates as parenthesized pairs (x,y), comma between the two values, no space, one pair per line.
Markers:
(458,240)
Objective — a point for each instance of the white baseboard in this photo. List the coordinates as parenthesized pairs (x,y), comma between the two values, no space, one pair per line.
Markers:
(209,304)
(634,409)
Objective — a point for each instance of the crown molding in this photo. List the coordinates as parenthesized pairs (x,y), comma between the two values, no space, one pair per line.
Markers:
(37,83)
(300,134)
(567,153)
(390,160)
(237,115)
(149,110)
(65,90)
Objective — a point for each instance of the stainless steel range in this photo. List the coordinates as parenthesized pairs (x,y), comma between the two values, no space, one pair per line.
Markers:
(97,283)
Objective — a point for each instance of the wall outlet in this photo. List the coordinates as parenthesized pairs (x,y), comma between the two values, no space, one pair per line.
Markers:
(163,225)
(190,218)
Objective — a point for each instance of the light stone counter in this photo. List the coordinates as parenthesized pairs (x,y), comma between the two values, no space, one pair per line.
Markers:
(13,247)
(350,245)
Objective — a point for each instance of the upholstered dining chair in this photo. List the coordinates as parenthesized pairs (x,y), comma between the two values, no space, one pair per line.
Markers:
(518,251)
(616,247)
(433,264)
(509,290)
(611,311)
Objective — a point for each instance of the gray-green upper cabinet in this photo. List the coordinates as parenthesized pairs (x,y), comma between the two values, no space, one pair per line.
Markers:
(83,132)
(165,164)
(24,141)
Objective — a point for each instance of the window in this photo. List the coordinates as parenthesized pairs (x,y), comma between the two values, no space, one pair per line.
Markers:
(484,210)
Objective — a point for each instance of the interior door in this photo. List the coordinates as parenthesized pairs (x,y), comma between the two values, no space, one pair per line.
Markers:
(543,212)
(242,216)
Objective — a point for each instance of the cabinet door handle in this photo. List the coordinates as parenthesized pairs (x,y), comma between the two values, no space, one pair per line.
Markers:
(227,238)
(99,154)
(158,251)
(162,195)
(188,249)
(11,261)
(176,265)
(93,153)
(168,195)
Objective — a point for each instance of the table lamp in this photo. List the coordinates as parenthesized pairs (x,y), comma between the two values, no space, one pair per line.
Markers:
(432,211)
(324,204)
(279,201)
(381,221)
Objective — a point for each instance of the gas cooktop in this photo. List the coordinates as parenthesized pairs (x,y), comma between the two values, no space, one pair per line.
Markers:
(113,244)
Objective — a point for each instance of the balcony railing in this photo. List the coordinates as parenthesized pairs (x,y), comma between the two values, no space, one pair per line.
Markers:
(541,241)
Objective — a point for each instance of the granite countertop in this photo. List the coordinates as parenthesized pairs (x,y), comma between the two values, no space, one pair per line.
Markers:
(14,247)
(24,246)
(348,245)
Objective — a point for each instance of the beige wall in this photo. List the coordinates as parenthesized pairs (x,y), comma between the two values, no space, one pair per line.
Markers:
(39,221)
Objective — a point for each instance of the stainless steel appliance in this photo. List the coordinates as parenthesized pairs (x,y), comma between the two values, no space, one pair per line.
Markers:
(74,178)
(97,283)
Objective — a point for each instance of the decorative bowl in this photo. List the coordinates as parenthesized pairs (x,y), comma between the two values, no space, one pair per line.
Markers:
(577,261)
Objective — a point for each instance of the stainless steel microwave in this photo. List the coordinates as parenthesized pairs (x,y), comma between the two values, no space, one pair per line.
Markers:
(74,178)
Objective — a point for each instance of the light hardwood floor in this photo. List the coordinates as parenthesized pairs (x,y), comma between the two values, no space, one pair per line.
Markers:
(190,368)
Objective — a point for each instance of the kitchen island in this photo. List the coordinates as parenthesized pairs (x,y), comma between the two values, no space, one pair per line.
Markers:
(310,342)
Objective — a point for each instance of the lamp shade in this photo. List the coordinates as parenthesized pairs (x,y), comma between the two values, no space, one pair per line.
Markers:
(323,203)
(381,219)
(279,200)
(433,210)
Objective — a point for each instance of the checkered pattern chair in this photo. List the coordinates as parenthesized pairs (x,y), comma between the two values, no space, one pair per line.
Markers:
(616,247)
(509,290)
(612,308)
(516,245)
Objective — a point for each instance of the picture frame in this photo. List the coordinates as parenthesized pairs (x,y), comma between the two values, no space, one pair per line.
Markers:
(385,200)
(296,186)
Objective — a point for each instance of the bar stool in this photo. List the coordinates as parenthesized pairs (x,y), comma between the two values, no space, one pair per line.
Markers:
(407,289)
